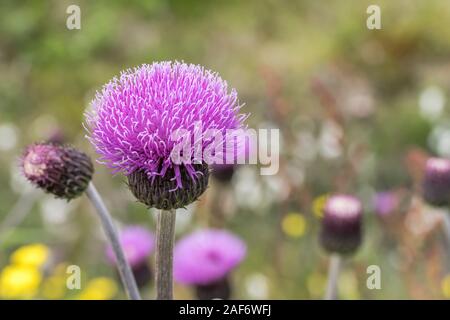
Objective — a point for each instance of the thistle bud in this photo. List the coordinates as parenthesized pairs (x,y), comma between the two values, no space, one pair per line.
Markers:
(341,226)
(163,192)
(436,183)
(219,289)
(60,170)
(223,172)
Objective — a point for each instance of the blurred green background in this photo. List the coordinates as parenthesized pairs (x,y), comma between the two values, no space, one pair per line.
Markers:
(359,110)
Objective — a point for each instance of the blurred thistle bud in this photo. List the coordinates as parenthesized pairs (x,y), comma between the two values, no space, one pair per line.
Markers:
(60,170)
(223,172)
(244,151)
(342,224)
(220,289)
(436,183)
(161,192)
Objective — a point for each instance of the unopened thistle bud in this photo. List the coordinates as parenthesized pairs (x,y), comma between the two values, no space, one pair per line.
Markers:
(342,224)
(436,183)
(60,170)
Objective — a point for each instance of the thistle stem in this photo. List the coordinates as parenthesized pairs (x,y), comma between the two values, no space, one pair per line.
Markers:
(333,274)
(165,237)
(446,225)
(126,275)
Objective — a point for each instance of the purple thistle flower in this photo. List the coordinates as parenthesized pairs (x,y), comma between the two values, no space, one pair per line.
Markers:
(207,256)
(138,244)
(60,170)
(341,225)
(385,202)
(134,119)
(436,183)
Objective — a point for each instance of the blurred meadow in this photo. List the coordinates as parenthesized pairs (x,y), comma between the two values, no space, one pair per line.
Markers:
(358,110)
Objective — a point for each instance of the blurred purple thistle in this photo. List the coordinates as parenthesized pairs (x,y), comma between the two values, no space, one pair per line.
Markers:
(385,203)
(138,244)
(205,258)
(342,224)
(436,189)
(341,234)
(436,182)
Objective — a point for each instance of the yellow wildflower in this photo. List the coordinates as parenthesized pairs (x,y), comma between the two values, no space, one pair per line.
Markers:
(316,283)
(33,255)
(446,286)
(319,204)
(101,288)
(19,281)
(348,286)
(54,287)
(294,225)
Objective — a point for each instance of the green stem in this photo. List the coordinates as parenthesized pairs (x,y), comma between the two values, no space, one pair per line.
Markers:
(165,237)
(333,274)
(446,226)
(125,272)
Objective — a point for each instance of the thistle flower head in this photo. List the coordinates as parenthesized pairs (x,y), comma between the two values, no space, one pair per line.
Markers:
(341,225)
(138,119)
(60,170)
(207,256)
(138,244)
(436,182)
